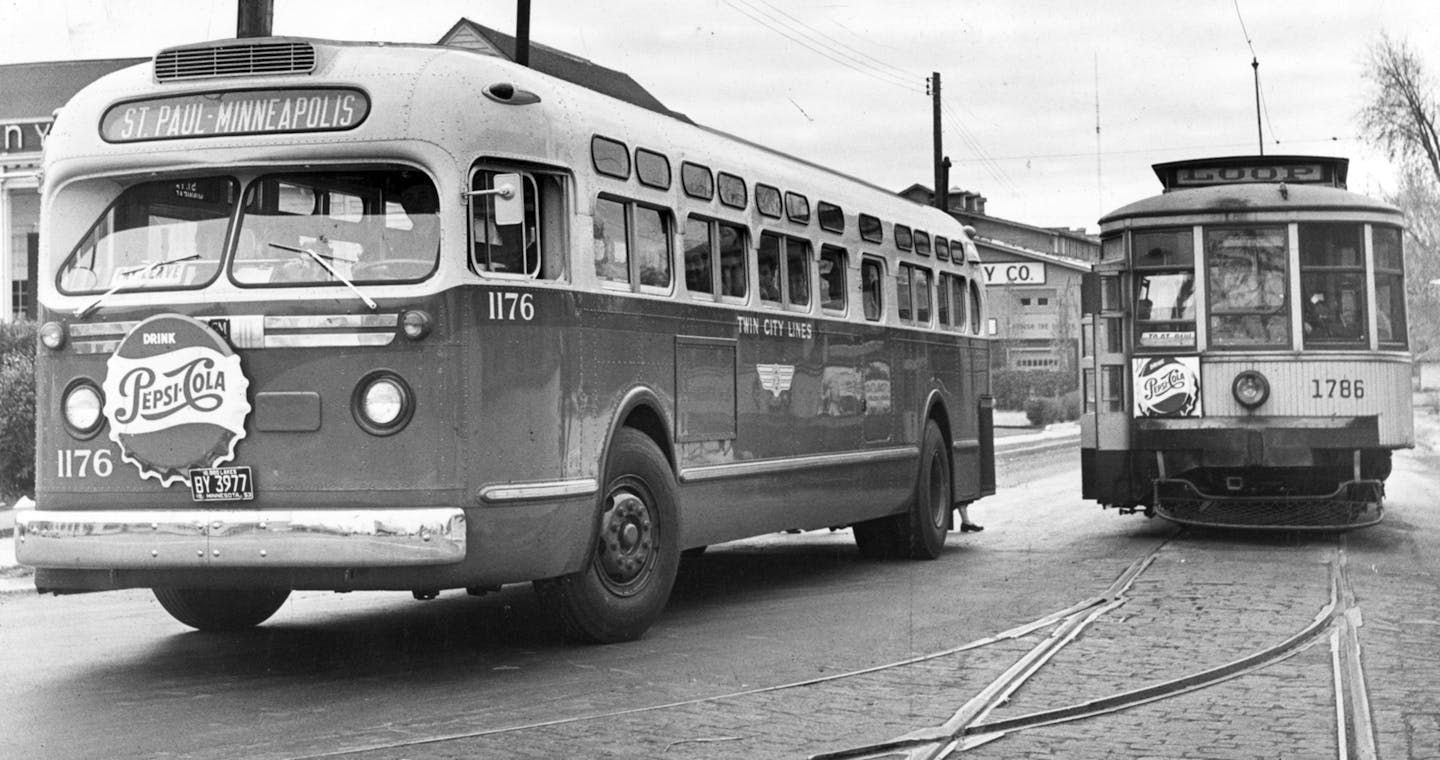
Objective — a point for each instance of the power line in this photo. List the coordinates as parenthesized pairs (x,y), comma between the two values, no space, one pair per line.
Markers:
(839,55)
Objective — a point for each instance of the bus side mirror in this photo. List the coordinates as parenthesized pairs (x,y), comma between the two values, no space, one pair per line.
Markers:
(509,200)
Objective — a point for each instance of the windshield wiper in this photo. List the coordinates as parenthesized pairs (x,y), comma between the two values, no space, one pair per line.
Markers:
(320,259)
(122,275)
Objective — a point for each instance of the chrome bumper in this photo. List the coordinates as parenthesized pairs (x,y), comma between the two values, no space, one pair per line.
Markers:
(214,538)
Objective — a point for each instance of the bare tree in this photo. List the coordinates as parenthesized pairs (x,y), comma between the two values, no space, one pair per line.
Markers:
(1401,115)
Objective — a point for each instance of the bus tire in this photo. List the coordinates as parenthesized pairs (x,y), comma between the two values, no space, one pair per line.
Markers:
(634,559)
(221,609)
(929,516)
(880,538)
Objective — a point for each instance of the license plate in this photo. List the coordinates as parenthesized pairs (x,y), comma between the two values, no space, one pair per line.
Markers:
(222,484)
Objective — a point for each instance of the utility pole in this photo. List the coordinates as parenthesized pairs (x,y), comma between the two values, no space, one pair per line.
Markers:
(942,180)
(522,32)
(254,18)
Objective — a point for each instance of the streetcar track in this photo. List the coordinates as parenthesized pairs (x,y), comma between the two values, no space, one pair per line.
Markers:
(1339,618)
(1104,600)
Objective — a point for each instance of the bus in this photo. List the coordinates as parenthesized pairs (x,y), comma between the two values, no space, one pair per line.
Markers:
(342,316)
(1245,360)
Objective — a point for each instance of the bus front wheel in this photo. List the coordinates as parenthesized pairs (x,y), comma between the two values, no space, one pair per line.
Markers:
(634,558)
(221,609)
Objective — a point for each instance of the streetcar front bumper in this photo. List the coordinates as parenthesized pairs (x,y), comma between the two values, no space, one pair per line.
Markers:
(239,539)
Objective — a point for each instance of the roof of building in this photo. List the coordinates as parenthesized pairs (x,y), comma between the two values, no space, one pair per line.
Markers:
(1079,265)
(557,63)
(35,90)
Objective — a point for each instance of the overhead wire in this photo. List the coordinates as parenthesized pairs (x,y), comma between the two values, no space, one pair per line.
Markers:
(1255,59)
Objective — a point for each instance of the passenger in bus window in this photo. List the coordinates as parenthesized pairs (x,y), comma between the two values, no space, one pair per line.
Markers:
(769,280)
(422,207)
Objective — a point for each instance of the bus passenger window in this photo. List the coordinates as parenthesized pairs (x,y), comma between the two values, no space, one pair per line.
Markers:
(870,276)
(832,278)
(698,253)
(797,268)
(922,295)
(732,260)
(902,292)
(768,259)
(612,258)
(652,247)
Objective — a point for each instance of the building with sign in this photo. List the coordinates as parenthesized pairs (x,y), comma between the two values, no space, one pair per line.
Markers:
(1033,277)
(31,94)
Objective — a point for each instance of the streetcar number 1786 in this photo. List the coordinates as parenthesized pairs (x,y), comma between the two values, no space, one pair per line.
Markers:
(1342,388)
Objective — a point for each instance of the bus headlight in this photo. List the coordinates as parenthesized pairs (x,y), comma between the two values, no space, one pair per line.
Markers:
(415,324)
(52,335)
(81,405)
(382,403)
(1251,389)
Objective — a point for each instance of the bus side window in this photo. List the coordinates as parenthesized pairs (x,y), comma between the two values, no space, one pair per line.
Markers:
(506,248)
(832,278)
(871,272)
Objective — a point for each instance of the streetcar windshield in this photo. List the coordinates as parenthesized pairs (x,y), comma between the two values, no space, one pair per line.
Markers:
(1246,283)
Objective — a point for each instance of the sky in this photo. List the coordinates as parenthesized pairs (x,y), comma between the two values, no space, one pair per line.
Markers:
(1054,110)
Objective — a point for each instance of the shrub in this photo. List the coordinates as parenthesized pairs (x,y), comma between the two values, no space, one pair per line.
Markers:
(1042,411)
(1070,405)
(17,410)
(1012,388)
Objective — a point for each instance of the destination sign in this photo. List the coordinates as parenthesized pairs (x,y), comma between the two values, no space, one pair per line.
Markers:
(1238,170)
(243,112)
(1224,175)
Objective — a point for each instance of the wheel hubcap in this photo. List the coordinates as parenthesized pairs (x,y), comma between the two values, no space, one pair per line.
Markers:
(626,554)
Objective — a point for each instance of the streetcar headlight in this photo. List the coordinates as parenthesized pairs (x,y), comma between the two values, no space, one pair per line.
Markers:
(81,406)
(415,324)
(383,403)
(52,335)
(1251,388)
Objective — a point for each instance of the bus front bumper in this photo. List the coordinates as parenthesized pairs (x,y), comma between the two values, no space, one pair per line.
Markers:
(240,539)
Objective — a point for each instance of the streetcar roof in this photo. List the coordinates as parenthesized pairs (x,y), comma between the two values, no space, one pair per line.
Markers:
(1247,200)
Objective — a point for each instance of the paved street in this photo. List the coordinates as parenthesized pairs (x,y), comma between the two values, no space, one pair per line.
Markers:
(789,646)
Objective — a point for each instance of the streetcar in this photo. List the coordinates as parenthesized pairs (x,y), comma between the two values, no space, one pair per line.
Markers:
(1244,353)
(337,316)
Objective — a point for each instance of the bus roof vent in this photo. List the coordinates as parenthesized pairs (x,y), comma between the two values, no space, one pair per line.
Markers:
(234,58)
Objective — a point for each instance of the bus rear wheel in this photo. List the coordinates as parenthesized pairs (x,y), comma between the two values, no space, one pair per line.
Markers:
(634,559)
(919,532)
(221,609)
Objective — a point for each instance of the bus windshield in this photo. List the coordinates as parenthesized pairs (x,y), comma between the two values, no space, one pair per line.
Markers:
(311,228)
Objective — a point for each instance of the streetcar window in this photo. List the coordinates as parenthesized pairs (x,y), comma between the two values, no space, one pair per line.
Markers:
(1164,307)
(1112,248)
(1164,249)
(832,278)
(1389,287)
(1246,282)
(1112,388)
(1332,284)
(871,275)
